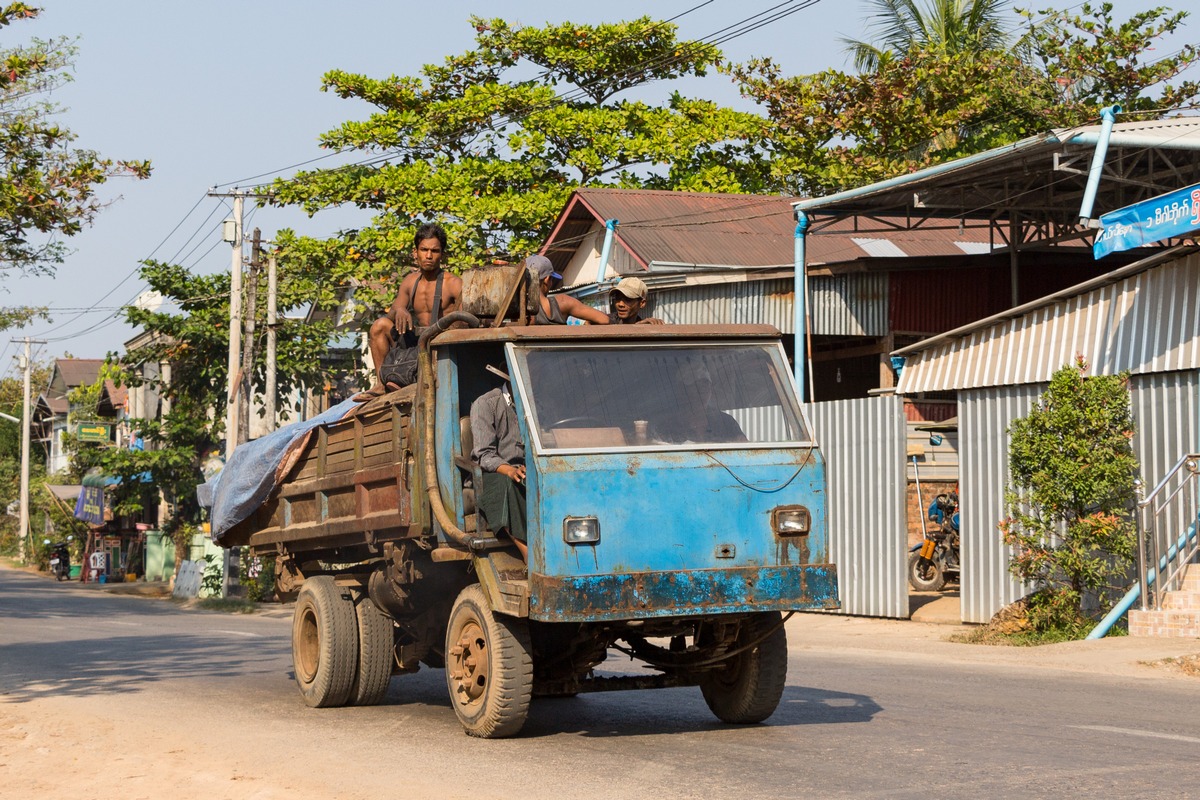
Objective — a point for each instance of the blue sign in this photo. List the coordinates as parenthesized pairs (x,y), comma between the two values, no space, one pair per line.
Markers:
(1164,217)
(90,505)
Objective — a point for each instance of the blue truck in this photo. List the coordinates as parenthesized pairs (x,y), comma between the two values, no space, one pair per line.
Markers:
(675,509)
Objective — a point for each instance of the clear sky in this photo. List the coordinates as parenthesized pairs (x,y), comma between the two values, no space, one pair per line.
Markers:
(224,93)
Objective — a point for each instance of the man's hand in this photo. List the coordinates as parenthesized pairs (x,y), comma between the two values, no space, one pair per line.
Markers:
(650,321)
(403,320)
(514,471)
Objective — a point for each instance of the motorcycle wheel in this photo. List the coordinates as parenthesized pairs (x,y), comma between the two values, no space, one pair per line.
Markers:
(925,575)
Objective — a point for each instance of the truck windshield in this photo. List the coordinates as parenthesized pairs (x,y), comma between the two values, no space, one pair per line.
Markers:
(649,396)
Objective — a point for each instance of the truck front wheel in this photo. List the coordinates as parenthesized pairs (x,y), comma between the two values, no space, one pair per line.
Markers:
(489,669)
(324,642)
(749,687)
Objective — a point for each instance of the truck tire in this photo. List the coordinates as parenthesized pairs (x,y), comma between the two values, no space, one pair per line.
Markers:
(925,575)
(489,667)
(749,688)
(324,642)
(376,638)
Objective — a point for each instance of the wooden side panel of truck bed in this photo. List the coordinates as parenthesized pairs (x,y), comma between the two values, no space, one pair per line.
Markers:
(348,486)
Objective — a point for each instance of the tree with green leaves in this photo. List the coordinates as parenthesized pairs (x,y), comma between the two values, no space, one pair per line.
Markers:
(191,336)
(926,106)
(1071,498)
(11,389)
(490,143)
(47,186)
(948,27)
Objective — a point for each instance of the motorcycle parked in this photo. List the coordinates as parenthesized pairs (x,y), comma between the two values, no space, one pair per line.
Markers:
(60,559)
(935,561)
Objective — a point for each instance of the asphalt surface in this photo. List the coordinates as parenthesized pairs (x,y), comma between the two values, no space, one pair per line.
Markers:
(932,630)
(106,693)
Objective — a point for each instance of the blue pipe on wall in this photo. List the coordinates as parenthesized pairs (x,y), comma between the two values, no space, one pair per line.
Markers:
(1133,594)
(610,227)
(1107,117)
(800,290)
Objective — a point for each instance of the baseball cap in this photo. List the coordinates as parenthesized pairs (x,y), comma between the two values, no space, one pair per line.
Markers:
(542,266)
(632,287)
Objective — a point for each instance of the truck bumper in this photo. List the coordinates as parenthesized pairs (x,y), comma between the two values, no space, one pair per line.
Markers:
(647,595)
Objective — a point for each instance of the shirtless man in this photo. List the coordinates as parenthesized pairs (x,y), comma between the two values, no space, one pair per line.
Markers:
(412,310)
(555,310)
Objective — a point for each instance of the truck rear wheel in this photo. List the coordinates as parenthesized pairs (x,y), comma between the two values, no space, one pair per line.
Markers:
(324,642)
(750,686)
(489,669)
(376,639)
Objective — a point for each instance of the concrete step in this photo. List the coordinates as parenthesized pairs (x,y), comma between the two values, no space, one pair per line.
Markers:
(1191,578)
(1182,601)
(1165,623)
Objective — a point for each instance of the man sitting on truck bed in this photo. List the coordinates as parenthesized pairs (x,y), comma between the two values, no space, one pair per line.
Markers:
(626,301)
(555,310)
(425,296)
(501,455)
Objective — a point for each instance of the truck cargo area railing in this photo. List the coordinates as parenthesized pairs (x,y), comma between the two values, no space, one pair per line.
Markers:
(1162,551)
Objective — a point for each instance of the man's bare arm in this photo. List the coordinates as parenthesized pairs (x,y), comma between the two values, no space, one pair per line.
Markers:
(569,306)
(399,311)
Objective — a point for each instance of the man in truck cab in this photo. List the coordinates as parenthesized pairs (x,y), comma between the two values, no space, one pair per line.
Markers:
(500,453)
(555,310)
(695,416)
(426,295)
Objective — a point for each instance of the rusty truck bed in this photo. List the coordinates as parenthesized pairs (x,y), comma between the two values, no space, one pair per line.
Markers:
(345,484)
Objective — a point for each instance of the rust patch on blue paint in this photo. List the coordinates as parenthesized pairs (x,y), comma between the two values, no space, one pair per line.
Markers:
(643,595)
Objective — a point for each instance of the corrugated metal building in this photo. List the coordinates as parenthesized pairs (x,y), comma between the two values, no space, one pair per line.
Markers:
(714,258)
(1143,318)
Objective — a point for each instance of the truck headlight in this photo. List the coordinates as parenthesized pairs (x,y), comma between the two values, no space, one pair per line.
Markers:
(581,530)
(790,520)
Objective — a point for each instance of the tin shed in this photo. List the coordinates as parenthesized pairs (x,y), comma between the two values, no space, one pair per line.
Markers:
(1143,318)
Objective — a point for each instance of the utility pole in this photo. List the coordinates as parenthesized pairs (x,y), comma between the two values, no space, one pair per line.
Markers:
(272,321)
(232,233)
(247,370)
(26,366)
(233,398)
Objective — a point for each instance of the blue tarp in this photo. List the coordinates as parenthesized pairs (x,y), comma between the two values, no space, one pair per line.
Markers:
(90,505)
(247,480)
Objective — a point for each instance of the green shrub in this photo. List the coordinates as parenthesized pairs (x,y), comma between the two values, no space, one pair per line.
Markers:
(1071,498)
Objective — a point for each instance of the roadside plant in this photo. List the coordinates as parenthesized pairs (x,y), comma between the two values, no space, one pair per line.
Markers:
(258,577)
(210,582)
(1071,496)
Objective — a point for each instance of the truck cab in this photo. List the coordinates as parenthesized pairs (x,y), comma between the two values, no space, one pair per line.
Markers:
(675,502)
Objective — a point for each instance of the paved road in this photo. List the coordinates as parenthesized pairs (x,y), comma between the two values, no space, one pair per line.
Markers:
(104,695)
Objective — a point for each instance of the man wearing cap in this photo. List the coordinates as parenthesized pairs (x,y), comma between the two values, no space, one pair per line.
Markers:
(626,301)
(555,310)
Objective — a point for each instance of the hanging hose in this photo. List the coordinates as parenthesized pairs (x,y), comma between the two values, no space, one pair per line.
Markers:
(425,393)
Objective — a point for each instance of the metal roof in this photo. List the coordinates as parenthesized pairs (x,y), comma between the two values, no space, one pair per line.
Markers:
(677,231)
(1144,318)
(652,333)
(1039,178)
